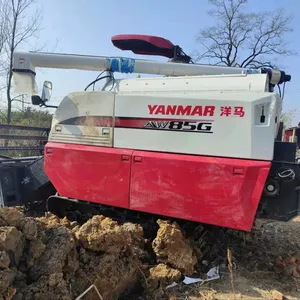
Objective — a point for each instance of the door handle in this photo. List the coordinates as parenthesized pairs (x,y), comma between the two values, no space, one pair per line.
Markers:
(137,159)
(125,157)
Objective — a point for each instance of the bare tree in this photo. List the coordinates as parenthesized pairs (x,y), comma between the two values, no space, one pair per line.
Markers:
(288,117)
(3,25)
(21,27)
(3,39)
(242,39)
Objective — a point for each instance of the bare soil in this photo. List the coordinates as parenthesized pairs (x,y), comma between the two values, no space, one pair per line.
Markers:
(264,266)
(51,258)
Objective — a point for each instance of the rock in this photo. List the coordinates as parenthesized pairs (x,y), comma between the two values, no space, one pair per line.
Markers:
(11,216)
(4,260)
(162,275)
(71,263)
(277,295)
(58,245)
(135,231)
(110,273)
(6,279)
(29,228)
(84,257)
(12,241)
(50,220)
(2,222)
(75,229)
(65,222)
(105,235)
(172,248)
(52,287)
(36,249)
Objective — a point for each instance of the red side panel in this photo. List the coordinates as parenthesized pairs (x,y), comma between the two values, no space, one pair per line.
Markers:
(218,191)
(96,174)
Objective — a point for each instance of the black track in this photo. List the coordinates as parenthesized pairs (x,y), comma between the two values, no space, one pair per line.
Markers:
(82,211)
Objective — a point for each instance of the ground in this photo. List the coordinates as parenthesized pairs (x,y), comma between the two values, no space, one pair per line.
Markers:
(52,258)
(256,275)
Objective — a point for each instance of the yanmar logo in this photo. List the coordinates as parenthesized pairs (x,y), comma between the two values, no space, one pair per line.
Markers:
(186,126)
(180,110)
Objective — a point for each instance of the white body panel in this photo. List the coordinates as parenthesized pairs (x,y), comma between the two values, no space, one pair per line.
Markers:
(83,104)
(218,83)
(230,136)
(233,136)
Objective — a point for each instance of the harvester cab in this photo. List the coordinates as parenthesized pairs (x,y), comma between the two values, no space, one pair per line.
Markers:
(198,143)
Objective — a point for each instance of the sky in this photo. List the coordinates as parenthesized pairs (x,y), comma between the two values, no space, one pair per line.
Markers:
(86,27)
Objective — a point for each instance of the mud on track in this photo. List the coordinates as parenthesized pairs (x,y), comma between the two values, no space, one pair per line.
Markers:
(51,258)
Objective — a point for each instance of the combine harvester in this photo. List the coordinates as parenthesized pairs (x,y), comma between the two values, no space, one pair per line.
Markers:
(198,143)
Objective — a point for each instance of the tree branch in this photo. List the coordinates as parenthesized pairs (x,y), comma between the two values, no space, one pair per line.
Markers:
(21,28)
(242,39)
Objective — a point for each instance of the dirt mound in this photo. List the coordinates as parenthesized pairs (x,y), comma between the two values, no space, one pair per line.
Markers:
(52,258)
(44,258)
(105,235)
(163,275)
(172,248)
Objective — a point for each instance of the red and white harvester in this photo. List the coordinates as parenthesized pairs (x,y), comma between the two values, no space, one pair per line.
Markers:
(198,143)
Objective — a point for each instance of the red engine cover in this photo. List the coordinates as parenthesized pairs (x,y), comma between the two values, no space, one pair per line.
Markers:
(144,44)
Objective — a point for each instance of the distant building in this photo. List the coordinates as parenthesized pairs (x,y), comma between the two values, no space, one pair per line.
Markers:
(292,134)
